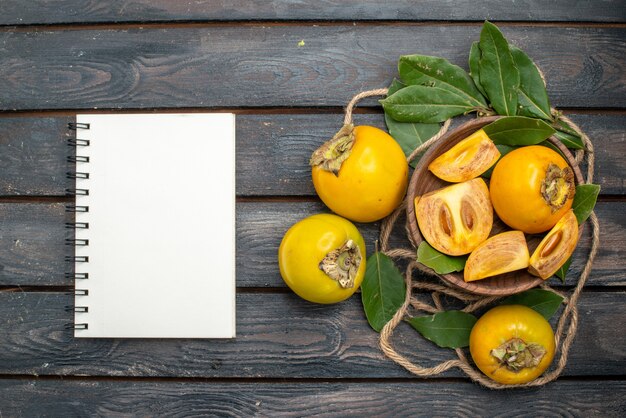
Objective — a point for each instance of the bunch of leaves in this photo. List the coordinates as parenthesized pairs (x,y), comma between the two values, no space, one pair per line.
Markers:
(504,81)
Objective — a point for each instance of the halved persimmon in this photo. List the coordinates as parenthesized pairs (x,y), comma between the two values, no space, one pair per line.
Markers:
(556,247)
(499,254)
(466,160)
(457,218)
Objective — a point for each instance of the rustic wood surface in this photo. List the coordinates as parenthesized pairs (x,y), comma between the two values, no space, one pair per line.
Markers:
(290,357)
(93,11)
(256,65)
(320,399)
(278,336)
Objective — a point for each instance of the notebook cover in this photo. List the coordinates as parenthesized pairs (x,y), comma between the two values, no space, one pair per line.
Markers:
(161,226)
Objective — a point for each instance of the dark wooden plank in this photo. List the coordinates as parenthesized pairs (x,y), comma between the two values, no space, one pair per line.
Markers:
(33,236)
(33,155)
(255,65)
(272,152)
(323,399)
(15,12)
(278,336)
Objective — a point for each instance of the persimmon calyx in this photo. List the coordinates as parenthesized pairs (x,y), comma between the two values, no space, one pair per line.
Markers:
(515,354)
(335,151)
(558,186)
(342,264)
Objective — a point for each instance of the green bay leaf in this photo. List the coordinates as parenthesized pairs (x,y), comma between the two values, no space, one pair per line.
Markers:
(542,301)
(449,329)
(532,96)
(474,66)
(569,137)
(441,263)
(408,135)
(498,74)
(570,141)
(584,201)
(430,71)
(424,104)
(395,86)
(382,290)
(560,125)
(518,130)
(562,271)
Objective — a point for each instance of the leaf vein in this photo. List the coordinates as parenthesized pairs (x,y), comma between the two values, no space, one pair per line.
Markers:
(501,79)
(380,285)
(534,103)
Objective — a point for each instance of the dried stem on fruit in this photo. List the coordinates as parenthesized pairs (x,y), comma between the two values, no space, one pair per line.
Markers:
(558,186)
(335,151)
(343,264)
(515,354)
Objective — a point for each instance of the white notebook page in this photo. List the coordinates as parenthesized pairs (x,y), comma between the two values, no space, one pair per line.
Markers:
(161,226)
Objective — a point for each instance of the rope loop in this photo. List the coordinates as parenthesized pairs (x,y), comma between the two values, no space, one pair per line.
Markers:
(567,323)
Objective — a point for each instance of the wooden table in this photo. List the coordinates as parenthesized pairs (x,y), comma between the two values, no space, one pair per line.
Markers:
(286,69)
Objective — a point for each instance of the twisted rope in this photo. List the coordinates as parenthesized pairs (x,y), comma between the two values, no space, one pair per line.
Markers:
(566,326)
(347,120)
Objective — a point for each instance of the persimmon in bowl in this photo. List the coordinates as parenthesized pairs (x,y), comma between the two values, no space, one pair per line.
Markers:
(423,181)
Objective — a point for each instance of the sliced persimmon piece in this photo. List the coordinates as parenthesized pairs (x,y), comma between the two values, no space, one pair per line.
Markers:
(466,160)
(499,254)
(556,247)
(456,219)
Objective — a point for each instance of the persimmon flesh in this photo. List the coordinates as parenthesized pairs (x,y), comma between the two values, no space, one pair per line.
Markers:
(499,254)
(556,247)
(466,160)
(456,219)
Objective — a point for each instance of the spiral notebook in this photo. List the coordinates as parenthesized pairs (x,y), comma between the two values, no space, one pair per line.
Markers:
(154,228)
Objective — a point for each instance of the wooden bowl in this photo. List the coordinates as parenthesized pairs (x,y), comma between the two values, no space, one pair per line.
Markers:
(423,181)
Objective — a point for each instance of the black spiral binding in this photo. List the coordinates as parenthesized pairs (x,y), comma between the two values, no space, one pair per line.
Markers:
(76,144)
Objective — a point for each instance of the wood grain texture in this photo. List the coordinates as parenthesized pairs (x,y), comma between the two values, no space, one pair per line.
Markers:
(15,12)
(32,236)
(273,151)
(32,239)
(33,155)
(323,399)
(256,65)
(278,336)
